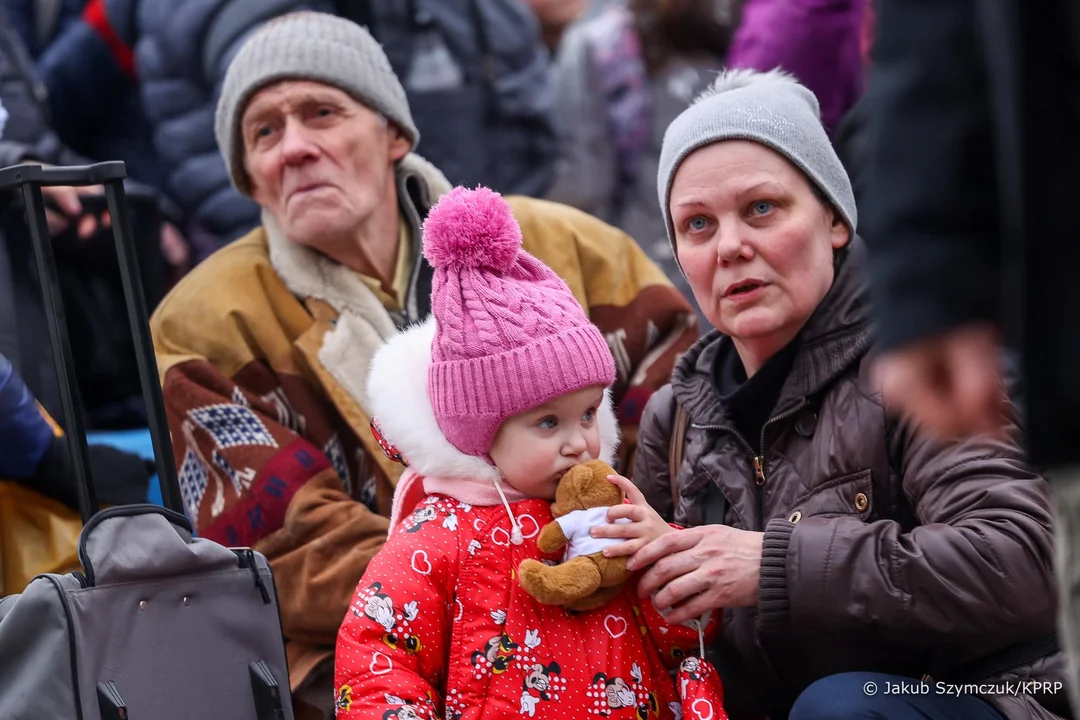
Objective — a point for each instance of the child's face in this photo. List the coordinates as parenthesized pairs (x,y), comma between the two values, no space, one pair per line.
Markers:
(533,449)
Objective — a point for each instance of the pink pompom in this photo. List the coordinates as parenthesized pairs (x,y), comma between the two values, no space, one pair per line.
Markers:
(471,229)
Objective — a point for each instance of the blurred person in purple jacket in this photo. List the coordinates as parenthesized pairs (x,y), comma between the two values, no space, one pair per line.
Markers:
(817,41)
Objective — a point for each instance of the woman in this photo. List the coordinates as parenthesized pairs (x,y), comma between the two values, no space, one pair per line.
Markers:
(850,552)
(620,79)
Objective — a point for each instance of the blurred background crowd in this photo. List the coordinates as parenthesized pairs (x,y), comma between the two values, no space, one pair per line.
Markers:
(560,99)
(953,120)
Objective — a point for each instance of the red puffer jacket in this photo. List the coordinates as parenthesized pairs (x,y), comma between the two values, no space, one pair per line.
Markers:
(440,626)
(440,620)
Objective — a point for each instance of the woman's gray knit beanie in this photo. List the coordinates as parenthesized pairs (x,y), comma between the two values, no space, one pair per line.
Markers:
(771,108)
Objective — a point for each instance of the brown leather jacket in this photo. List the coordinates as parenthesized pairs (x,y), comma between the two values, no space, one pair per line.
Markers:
(884,550)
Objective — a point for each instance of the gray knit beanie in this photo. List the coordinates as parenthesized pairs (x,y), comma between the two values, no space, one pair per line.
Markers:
(771,108)
(307,46)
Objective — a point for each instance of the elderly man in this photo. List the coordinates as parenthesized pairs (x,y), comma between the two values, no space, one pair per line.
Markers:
(264,348)
(473,70)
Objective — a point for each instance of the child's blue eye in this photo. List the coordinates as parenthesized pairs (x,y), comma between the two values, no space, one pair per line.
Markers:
(549,423)
(698,224)
(589,415)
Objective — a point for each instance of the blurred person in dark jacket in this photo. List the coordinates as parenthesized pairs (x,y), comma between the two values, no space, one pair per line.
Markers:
(99,327)
(85,82)
(27,137)
(970,192)
(87,79)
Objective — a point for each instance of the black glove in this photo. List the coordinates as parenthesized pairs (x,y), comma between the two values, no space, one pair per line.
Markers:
(120,478)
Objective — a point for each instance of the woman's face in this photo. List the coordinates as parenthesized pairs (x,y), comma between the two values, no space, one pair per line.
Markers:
(755,243)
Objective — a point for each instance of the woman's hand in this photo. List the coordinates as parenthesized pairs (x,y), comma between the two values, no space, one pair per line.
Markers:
(699,569)
(644,526)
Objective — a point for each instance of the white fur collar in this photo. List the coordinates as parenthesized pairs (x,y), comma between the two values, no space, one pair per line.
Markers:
(363,323)
(398,392)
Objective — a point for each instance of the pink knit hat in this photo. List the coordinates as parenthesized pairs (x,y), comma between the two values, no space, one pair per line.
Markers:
(510,335)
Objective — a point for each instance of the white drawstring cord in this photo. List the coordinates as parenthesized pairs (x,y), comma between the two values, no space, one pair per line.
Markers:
(515,535)
(701,637)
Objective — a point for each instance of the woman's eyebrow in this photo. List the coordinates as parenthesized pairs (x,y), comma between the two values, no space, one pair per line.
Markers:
(769,186)
(691,203)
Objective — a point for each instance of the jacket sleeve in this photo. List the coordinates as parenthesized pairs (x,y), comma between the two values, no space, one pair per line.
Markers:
(935,263)
(585,166)
(674,642)
(394,642)
(233,436)
(977,563)
(27,434)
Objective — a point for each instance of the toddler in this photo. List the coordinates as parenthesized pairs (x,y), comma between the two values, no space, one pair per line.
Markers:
(488,403)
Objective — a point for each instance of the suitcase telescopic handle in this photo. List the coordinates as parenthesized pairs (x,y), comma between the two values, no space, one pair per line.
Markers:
(54,176)
(29,179)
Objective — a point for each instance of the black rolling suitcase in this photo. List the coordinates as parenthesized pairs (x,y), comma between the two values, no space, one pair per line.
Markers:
(158,624)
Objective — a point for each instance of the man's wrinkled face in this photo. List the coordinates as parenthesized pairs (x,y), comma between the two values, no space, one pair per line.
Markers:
(319,161)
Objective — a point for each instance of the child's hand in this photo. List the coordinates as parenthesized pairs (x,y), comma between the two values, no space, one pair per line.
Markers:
(644,526)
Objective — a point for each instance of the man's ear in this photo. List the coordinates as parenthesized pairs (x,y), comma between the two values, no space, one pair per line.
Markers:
(399,144)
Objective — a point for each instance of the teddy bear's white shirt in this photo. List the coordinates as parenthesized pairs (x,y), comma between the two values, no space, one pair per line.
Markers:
(576,526)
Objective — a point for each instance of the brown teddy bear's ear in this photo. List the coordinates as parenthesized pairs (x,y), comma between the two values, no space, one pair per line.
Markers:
(596,490)
(586,486)
(568,493)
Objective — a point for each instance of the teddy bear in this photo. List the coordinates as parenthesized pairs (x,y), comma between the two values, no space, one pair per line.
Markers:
(585,580)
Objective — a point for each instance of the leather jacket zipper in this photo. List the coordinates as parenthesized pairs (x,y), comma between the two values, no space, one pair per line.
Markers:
(759,470)
(757,459)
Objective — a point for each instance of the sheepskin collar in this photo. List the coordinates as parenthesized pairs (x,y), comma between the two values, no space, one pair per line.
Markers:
(363,322)
(310,274)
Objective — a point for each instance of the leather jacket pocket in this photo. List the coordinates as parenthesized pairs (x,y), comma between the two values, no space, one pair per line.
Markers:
(847,495)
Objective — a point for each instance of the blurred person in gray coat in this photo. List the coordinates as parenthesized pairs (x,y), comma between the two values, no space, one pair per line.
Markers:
(621,77)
